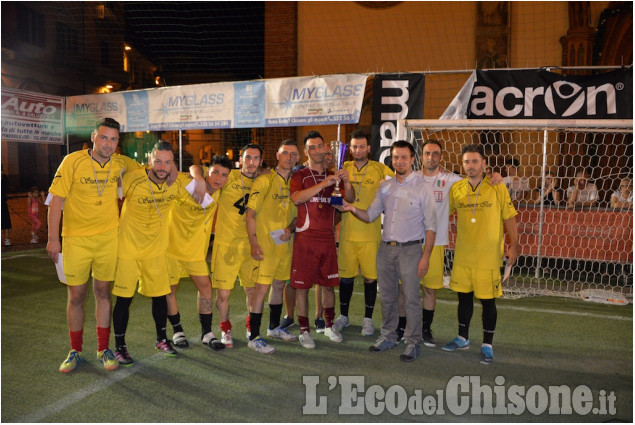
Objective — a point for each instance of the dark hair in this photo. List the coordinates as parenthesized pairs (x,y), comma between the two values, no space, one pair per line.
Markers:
(432,142)
(512,161)
(402,144)
(473,148)
(223,161)
(162,145)
(312,135)
(107,122)
(360,134)
(288,142)
(252,146)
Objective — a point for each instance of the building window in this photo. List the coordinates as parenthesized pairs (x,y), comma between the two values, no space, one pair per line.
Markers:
(67,41)
(31,26)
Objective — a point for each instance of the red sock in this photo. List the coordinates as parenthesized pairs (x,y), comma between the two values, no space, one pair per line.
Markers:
(329,315)
(225,326)
(248,323)
(303,321)
(77,339)
(103,338)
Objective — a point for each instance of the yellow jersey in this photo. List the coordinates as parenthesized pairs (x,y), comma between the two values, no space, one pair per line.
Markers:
(143,231)
(481,211)
(270,200)
(90,192)
(232,206)
(365,181)
(190,227)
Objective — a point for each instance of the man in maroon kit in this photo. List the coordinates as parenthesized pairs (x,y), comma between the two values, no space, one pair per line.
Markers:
(314,252)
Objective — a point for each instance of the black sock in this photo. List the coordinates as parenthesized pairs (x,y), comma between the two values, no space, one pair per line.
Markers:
(428,316)
(370,296)
(346,293)
(489,320)
(402,322)
(465,310)
(120,315)
(206,323)
(254,324)
(160,315)
(275,310)
(175,320)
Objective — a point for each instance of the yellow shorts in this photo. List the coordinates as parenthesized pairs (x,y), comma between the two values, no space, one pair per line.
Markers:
(354,257)
(228,262)
(152,275)
(179,268)
(485,283)
(434,278)
(81,253)
(278,268)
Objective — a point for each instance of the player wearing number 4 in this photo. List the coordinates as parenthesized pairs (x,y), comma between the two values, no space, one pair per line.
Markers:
(483,211)
(190,223)
(231,254)
(271,218)
(359,241)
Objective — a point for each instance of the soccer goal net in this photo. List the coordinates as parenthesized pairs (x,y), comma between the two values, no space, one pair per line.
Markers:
(581,249)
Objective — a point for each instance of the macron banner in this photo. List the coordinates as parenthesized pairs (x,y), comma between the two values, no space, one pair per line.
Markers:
(531,94)
(284,102)
(395,97)
(32,117)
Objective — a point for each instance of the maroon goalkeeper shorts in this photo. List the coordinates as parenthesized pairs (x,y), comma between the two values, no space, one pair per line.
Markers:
(314,262)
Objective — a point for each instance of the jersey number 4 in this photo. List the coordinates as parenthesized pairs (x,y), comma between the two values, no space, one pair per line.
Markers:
(241,204)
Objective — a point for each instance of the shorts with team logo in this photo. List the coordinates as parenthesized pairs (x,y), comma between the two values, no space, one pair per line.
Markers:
(151,274)
(486,283)
(314,262)
(229,262)
(83,253)
(265,271)
(433,279)
(179,268)
(354,256)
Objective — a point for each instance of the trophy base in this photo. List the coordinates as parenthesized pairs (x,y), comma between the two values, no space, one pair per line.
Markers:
(336,200)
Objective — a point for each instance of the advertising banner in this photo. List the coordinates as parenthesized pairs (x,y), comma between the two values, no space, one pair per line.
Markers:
(395,97)
(32,117)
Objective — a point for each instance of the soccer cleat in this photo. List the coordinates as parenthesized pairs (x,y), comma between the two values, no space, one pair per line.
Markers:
(212,342)
(306,340)
(458,343)
(226,339)
(180,340)
(341,323)
(166,347)
(107,358)
(487,354)
(287,322)
(368,329)
(122,356)
(428,339)
(320,325)
(34,239)
(410,353)
(259,345)
(381,345)
(333,334)
(71,362)
(281,333)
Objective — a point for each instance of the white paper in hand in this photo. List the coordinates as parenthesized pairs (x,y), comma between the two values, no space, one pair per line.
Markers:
(59,266)
(276,234)
(191,186)
(508,272)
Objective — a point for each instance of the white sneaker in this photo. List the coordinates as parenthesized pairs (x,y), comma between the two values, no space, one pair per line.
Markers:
(341,323)
(226,339)
(34,239)
(259,345)
(281,333)
(368,328)
(333,334)
(180,340)
(7,242)
(212,342)
(306,340)
(248,334)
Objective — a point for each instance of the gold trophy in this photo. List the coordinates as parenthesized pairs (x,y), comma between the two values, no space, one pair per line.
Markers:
(338,149)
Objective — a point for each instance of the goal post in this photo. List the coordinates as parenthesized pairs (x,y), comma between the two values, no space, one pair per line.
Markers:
(584,251)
